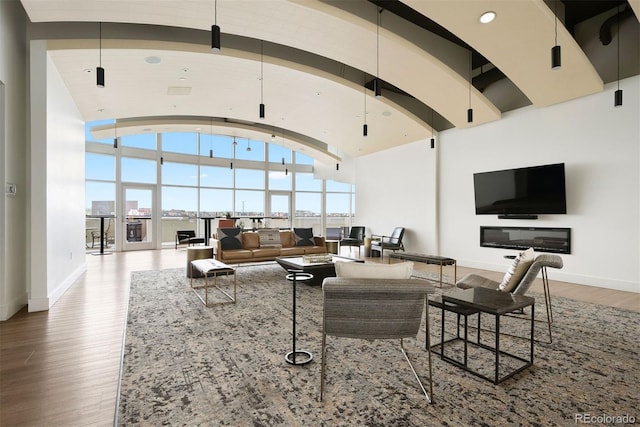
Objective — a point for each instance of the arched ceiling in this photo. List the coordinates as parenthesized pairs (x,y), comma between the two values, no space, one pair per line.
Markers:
(314,58)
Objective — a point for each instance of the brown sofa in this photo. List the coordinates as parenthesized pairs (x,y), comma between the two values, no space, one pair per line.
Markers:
(251,250)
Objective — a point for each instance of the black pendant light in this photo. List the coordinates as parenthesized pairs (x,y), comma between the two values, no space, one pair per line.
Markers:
(115,134)
(99,69)
(365,128)
(211,138)
(261,79)
(470,110)
(215,30)
(556,60)
(433,139)
(617,97)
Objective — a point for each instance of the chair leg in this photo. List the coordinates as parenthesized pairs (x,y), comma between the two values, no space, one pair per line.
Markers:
(406,356)
(547,300)
(323,362)
(426,303)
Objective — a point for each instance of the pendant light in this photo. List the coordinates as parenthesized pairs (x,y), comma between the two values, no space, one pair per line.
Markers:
(99,69)
(215,30)
(365,128)
(617,97)
(248,145)
(470,110)
(115,134)
(261,79)
(234,152)
(286,170)
(211,138)
(433,139)
(556,60)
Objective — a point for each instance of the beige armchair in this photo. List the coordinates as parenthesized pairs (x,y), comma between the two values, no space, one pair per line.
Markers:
(375,309)
(523,283)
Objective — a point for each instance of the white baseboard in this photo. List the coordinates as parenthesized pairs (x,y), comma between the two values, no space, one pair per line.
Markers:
(12,307)
(42,304)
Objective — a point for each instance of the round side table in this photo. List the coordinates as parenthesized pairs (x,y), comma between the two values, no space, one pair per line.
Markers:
(297,357)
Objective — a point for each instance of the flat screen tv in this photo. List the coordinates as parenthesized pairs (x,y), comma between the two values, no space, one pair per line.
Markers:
(523,191)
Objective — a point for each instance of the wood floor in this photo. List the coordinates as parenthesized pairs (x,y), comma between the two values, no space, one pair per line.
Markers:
(61,367)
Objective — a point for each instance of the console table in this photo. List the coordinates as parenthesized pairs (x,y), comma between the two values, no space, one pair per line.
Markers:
(427,259)
(496,303)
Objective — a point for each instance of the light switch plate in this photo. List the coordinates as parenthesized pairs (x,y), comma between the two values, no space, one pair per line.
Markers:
(10,189)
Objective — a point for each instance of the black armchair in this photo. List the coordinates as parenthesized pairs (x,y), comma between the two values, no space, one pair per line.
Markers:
(356,238)
(393,242)
(187,237)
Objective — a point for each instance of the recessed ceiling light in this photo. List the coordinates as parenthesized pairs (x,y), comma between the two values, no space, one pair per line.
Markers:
(152,60)
(487,17)
(386,113)
(88,70)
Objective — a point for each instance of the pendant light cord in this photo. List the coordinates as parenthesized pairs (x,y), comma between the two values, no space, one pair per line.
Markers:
(262,71)
(100,44)
(618,19)
(555,13)
(215,12)
(378,42)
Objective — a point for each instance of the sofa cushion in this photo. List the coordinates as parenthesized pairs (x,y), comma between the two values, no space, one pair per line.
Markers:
(304,236)
(235,254)
(287,239)
(266,252)
(293,250)
(269,238)
(250,240)
(362,270)
(517,270)
(230,238)
(314,250)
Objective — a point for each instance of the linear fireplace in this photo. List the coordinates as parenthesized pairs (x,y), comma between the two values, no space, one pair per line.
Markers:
(541,239)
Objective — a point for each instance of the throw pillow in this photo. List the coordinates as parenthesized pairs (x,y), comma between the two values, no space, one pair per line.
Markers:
(230,238)
(362,270)
(517,270)
(304,236)
(269,238)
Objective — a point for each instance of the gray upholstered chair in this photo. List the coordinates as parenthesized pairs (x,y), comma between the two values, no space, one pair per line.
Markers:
(540,263)
(355,238)
(375,309)
(392,242)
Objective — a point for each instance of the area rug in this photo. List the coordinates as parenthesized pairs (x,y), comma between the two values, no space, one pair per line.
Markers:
(185,364)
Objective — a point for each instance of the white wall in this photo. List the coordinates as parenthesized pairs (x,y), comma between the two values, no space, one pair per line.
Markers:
(600,146)
(13,159)
(57,184)
(397,188)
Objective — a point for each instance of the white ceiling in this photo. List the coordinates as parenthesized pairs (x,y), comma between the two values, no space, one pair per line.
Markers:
(315,56)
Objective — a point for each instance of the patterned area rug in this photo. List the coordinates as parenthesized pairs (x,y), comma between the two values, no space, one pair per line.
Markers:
(185,364)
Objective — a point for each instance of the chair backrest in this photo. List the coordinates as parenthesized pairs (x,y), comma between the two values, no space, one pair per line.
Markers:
(396,236)
(186,233)
(373,308)
(333,233)
(542,260)
(356,232)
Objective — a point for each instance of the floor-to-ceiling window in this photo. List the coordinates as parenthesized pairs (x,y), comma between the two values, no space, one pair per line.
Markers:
(200,175)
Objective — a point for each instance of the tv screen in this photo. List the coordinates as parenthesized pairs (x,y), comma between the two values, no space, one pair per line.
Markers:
(531,190)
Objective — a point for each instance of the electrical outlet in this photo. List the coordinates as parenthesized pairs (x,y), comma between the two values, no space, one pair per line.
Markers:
(10,189)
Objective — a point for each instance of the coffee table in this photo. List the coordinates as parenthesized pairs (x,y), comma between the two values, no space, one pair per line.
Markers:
(319,270)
